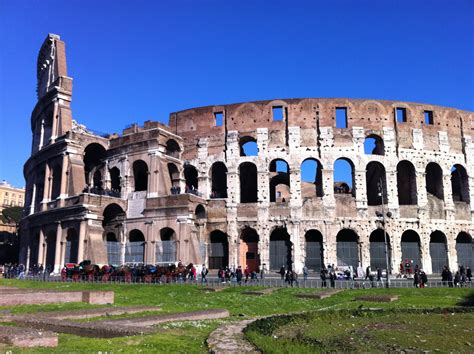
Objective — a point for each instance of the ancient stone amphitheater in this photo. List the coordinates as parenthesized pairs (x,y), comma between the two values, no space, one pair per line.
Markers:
(281,182)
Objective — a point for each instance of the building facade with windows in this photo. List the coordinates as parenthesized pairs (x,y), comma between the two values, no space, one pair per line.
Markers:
(280,182)
(11,196)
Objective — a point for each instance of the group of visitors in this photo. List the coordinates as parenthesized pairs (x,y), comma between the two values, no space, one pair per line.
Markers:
(12,270)
(289,276)
(420,279)
(231,274)
(460,278)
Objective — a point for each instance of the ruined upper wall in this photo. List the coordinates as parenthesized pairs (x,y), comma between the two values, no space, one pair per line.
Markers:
(312,113)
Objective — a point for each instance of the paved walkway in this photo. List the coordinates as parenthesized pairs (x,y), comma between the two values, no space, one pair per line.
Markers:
(229,338)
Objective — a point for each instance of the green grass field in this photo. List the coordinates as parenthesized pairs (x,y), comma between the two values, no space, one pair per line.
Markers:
(190,337)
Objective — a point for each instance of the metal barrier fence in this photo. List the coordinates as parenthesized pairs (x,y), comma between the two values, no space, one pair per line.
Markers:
(266,282)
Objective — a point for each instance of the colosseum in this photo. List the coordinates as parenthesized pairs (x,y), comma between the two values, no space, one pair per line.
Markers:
(249,184)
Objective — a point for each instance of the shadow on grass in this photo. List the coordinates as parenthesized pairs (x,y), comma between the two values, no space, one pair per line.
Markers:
(468,300)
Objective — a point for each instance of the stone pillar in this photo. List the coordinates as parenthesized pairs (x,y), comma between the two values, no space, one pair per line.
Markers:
(123,242)
(64,173)
(360,186)
(41,248)
(33,200)
(54,125)
(233,187)
(41,140)
(425,254)
(328,187)
(448,195)
(263,184)
(364,247)
(392,188)
(297,253)
(57,255)
(149,244)
(396,249)
(421,188)
(452,253)
(295,187)
(47,185)
(82,237)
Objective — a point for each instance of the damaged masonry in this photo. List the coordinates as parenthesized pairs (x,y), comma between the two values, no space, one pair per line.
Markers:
(282,182)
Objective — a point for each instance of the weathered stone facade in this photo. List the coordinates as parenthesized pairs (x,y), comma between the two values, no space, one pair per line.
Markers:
(191,191)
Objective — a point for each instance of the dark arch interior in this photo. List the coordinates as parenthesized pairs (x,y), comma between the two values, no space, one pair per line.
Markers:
(115,179)
(377,250)
(72,243)
(191,177)
(112,213)
(94,157)
(248,182)
(249,235)
(111,237)
(460,184)
(219,180)
(347,248)
(406,183)
(167,234)
(280,249)
(344,177)
(465,250)
(136,236)
(140,174)
(135,248)
(438,252)
(410,245)
(314,250)
(219,250)
(279,175)
(56,186)
(166,246)
(376,179)
(200,212)
(434,180)
(172,148)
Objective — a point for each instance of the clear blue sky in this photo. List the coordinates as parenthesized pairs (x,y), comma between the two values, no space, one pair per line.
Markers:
(137,60)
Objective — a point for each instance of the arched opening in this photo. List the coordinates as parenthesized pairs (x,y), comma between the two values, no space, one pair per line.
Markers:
(281,249)
(248,146)
(248,182)
(172,148)
(200,212)
(373,145)
(347,248)
(460,184)
(50,251)
(191,177)
(410,245)
(377,250)
(279,181)
(135,248)
(97,181)
(314,250)
(140,175)
(166,246)
(465,250)
(34,248)
(218,250)
(249,255)
(113,213)
(219,180)
(115,179)
(375,179)
(72,246)
(434,180)
(406,183)
(94,157)
(56,185)
(344,177)
(438,251)
(311,179)
(174,178)
(113,249)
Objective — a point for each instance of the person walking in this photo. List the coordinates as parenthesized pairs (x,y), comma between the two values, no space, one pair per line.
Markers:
(305,273)
(262,271)
(204,272)
(282,272)
(323,275)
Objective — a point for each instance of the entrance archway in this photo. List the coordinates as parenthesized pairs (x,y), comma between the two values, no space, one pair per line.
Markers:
(465,250)
(72,244)
(249,249)
(377,250)
(218,250)
(135,248)
(280,249)
(314,250)
(438,252)
(411,248)
(347,248)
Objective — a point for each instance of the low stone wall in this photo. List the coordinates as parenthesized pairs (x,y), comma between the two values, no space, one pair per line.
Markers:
(12,297)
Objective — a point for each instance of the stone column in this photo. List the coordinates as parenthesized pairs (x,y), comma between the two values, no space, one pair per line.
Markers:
(360,186)
(41,140)
(452,253)
(33,200)
(54,125)
(234,243)
(392,188)
(448,195)
(297,254)
(123,242)
(47,186)
(295,187)
(82,237)
(57,255)
(421,188)
(41,248)
(425,254)
(263,184)
(64,173)
(149,244)
(328,187)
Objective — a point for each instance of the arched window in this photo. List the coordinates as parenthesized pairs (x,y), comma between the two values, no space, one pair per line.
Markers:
(166,246)
(94,157)
(460,184)
(72,244)
(115,179)
(280,249)
(219,180)
(347,248)
(434,180)
(377,250)
(191,177)
(174,178)
(172,148)
(248,146)
(200,212)
(406,183)
(218,250)
(279,181)
(140,175)
(314,250)
(135,248)
(249,255)
(344,177)
(56,185)
(248,182)
(50,250)
(311,178)
(373,145)
(411,249)
(97,181)
(375,177)
(465,250)
(438,252)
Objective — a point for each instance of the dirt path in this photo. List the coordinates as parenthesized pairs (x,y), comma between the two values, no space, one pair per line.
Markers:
(229,338)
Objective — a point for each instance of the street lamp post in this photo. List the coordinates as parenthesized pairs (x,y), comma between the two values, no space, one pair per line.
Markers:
(382,216)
